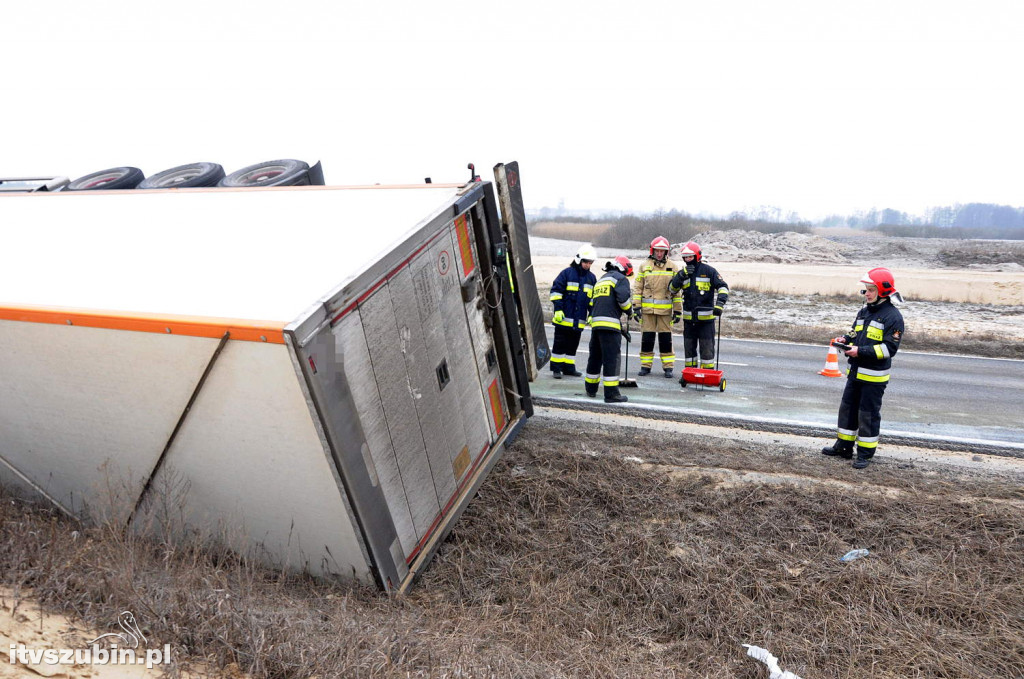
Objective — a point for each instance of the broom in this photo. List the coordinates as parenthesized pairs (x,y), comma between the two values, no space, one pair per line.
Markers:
(626,380)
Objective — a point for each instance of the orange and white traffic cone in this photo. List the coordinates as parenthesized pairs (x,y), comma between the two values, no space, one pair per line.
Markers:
(831,364)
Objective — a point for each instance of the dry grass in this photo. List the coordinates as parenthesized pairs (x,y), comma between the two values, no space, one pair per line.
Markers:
(572,562)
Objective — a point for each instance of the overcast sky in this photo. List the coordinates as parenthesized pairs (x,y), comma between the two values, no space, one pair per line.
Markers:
(813,106)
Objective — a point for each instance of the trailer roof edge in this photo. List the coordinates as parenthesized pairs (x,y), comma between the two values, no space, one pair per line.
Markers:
(271,332)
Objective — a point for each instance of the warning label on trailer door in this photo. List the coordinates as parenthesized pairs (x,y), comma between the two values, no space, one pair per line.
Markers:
(465,246)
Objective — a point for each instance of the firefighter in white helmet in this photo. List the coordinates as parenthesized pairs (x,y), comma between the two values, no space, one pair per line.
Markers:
(873,340)
(655,308)
(570,299)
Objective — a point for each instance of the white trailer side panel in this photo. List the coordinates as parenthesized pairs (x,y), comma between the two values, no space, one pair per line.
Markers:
(254,460)
(354,355)
(86,412)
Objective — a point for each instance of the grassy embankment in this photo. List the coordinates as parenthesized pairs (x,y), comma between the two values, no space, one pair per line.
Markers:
(574,561)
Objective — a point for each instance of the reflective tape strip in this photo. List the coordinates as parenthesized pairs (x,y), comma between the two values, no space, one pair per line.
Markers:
(646,358)
(605,322)
(687,316)
(555,296)
(625,306)
(858,327)
(566,322)
(872,444)
(885,350)
(876,324)
(677,300)
(865,440)
(845,437)
(592,379)
(588,286)
(669,360)
(705,317)
(572,286)
(879,350)
(707,366)
(611,383)
(703,279)
(557,357)
(872,375)
(723,290)
(851,433)
(659,272)
(652,300)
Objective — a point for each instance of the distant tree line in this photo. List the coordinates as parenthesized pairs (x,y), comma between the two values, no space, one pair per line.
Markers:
(968,216)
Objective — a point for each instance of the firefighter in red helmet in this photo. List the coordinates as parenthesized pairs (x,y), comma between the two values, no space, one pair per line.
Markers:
(873,341)
(609,302)
(655,307)
(704,294)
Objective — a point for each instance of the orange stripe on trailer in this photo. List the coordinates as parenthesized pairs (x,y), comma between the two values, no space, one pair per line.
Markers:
(271,332)
(465,247)
(496,409)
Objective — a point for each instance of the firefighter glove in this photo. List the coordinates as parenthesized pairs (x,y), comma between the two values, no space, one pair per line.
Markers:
(718,311)
(637,311)
(676,315)
(559,316)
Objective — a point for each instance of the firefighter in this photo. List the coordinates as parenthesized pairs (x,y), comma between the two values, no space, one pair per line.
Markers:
(655,308)
(570,298)
(704,295)
(874,340)
(611,299)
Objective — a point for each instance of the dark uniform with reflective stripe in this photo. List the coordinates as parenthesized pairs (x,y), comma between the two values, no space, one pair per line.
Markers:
(570,294)
(611,299)
(876,333)
(699,285)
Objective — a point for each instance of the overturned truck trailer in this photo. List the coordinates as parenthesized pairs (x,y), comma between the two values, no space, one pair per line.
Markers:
(327,372)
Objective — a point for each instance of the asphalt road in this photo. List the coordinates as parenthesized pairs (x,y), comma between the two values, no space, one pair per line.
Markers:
(954,401)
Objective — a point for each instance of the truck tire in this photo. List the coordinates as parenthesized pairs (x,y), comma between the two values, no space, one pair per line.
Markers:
(184,176)
(270,173)
(108,180)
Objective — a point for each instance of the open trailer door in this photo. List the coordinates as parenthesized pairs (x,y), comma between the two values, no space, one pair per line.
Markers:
(524,282)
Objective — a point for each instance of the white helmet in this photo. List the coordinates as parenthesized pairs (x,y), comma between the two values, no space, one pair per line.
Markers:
(587,252)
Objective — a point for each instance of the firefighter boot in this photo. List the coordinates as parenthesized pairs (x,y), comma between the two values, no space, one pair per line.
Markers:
(861,460)
(668,373)
(556,371)
(591,390)
(613,395)
(644,370)
(571,371)
(837,449)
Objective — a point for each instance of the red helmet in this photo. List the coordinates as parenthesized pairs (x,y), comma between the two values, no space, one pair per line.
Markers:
(660,243)
(621,264)
(882,279)
(691,248)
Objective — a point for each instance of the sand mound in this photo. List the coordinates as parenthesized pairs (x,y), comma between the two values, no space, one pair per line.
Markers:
(752,246)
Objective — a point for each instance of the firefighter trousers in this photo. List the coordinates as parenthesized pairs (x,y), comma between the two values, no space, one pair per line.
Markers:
(860,416)
(603,364)
(563,352)
(668,357)
(702,334)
